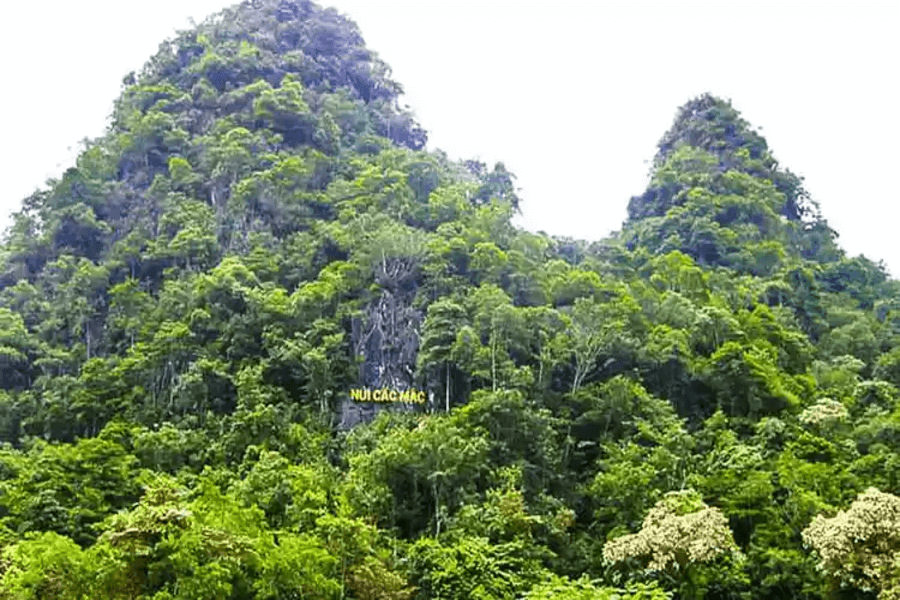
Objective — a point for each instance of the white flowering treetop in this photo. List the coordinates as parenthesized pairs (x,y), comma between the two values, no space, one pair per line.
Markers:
(860,547)
(824,412)
(681,530)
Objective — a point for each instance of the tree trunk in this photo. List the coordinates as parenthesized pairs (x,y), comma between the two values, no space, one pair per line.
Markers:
(437,510)
(493,363)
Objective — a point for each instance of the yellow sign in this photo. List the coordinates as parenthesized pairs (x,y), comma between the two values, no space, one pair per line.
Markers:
(385,395)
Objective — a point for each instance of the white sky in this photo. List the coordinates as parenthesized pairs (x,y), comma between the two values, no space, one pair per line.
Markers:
(571,96)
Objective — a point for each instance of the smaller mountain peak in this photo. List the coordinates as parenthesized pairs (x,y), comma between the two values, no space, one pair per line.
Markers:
(713,133)
(717,194)
(714,125)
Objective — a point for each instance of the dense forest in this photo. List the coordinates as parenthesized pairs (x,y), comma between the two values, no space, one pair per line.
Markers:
(195,319)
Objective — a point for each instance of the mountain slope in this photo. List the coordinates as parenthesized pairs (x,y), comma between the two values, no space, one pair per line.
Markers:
(185,314)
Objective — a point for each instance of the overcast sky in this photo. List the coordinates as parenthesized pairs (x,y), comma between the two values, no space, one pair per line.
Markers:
(571,96)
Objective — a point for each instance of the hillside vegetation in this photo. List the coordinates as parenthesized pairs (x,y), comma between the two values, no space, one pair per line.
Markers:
(703,405)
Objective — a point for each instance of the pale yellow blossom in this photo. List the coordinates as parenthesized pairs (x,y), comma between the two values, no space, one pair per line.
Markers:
(860,547)
(680,530)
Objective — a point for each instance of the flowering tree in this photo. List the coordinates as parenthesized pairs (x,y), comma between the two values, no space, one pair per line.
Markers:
(677,534)
(860,547)
(824,412)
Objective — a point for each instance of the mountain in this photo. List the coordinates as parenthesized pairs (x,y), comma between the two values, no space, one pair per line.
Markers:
(258,343)
(713,171)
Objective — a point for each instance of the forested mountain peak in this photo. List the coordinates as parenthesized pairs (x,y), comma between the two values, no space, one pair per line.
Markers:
(716,190)
(265,145)
(267,40)
(213,324)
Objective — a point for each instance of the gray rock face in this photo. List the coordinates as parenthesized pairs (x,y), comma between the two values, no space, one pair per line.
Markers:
(386,341)
(353,413)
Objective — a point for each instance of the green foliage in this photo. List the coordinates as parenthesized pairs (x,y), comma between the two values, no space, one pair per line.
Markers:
(558,588)
(748,383)
(415,480)
(472,568)
(184,312)
(45,565)
(68,489)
